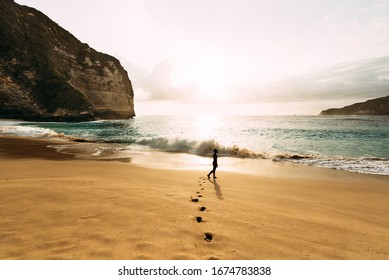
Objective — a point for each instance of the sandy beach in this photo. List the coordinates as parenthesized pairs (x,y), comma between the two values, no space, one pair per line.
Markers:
(54,206)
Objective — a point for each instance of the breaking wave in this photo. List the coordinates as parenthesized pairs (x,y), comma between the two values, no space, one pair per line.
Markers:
(37,132)
(27,131)
(201,148)
(368,165)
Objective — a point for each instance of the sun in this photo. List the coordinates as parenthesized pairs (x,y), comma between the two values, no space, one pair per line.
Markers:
(208,71)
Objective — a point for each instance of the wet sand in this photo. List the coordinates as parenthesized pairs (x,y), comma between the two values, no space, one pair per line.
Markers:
(55,206)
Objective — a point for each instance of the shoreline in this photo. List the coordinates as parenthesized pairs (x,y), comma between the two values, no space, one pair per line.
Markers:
(63,148)
(176,151)
(61,207)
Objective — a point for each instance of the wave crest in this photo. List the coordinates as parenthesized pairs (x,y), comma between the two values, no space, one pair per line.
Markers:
(27,131)
(201,148)
(37,132)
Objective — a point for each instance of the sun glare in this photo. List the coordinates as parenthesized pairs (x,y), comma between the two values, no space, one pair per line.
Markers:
(207,71)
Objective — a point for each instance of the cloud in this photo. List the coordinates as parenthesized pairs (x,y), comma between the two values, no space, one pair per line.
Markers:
(355,80)
(383,42)
(382,4)
(379,23)
(156,85)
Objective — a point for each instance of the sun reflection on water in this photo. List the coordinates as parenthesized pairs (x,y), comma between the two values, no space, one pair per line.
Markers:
(206,127)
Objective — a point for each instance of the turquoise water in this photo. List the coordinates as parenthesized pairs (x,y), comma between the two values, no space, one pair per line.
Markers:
(353,143)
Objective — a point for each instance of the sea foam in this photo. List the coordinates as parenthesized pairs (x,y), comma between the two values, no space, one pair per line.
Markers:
(27,131)
(352,144)
(201,148)
(12,129)
(377,166)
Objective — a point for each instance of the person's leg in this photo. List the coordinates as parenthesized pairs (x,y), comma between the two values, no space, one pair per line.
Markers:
(212,171)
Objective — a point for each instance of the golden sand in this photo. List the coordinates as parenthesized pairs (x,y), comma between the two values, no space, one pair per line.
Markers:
(56,207)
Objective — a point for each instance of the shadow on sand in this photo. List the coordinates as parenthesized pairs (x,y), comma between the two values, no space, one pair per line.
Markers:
(217,188)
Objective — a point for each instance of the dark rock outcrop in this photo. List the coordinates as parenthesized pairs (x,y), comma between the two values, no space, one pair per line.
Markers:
(378,106)
(47,74)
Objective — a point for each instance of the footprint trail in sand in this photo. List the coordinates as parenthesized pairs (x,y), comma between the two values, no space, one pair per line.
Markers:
(208,236)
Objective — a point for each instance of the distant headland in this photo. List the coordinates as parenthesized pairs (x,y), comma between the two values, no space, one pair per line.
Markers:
(377,106)
(47,74)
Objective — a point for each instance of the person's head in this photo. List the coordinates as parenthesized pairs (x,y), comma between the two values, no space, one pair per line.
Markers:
(215,151)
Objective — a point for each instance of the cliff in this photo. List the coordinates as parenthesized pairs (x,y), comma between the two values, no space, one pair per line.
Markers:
(378,106)
(47,74)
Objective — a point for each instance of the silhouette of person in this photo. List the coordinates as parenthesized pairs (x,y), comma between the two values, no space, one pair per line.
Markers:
(214,164)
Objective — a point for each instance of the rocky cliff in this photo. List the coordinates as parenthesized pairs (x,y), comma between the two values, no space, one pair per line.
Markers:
(378,106)
(47,74)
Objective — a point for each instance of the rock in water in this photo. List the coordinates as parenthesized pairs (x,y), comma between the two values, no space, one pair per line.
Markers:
(47,74)
(378,106)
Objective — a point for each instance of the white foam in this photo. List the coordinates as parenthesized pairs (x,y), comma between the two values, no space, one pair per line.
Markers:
(368,165)
(363,165)
(201,148)
(26,131)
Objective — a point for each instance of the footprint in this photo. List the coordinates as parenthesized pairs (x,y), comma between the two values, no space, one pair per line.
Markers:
(195,199)
(197,192)
(199,219)
(199,195)
(202,208)
(202,188)
(208,236)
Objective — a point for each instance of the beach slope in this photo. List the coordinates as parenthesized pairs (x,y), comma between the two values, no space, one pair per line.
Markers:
(56,207)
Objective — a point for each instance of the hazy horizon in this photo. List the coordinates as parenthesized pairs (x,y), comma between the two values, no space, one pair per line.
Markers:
(237,57)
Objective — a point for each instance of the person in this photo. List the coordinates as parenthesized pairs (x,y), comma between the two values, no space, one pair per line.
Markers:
(214,164)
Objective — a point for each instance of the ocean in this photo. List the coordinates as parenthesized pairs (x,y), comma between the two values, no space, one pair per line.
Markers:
(351,143)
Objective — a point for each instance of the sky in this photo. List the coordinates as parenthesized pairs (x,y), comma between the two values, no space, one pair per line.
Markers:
(237,57)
